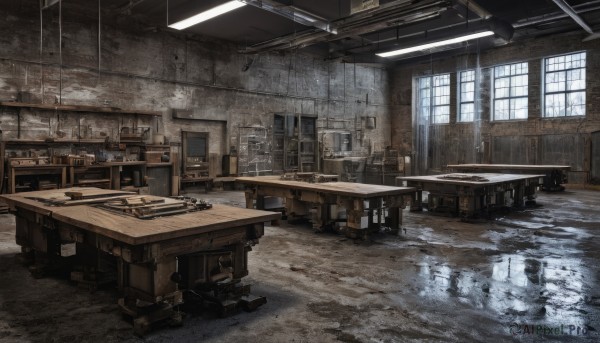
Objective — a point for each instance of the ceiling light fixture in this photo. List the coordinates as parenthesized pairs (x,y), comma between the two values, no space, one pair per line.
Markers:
(206,15)
(435,44)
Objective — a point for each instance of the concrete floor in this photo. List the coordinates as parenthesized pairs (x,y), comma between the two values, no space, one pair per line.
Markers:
(440,280)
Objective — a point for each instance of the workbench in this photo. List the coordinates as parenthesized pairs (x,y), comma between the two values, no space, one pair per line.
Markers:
(154,261)
(323,202)
(469,194)
(554,175)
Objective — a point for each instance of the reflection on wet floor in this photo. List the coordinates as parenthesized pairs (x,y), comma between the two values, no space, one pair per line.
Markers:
(548,290)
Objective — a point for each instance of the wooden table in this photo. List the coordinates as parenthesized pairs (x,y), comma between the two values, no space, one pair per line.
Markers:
(155,259)
(554,175)
(467,194)
(322,200)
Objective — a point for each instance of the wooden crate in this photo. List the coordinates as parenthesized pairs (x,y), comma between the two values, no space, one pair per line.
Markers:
(153,156)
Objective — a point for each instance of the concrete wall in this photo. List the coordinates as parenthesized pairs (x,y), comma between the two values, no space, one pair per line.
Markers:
(536,140)
(145,69)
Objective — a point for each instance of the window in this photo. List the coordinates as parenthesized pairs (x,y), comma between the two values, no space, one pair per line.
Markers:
(433,98)
(510,91)
(564,85)
(466,100)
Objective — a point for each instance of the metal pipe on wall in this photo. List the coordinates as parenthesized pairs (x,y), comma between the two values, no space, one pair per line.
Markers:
(42,51)
(60,51)
(99,35)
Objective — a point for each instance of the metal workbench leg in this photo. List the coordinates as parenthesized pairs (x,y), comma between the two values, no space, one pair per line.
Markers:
(519,194)
(417,203)
(395,215)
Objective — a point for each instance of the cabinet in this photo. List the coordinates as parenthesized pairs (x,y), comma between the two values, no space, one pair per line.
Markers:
(159,178)
(294,143)
(195,159)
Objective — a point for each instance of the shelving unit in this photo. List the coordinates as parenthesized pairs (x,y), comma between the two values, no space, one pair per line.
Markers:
(36,177)
(96,175)
(294,143)
(254,151)
(113,175)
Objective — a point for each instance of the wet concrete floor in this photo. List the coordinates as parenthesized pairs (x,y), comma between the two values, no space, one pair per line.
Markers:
(528,276)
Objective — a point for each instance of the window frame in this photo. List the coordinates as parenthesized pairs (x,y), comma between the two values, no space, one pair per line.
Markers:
(565,91)
(431,89)
(459,91)
(510,97)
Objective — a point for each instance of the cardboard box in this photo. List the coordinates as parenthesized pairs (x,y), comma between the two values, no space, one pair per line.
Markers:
(153,156)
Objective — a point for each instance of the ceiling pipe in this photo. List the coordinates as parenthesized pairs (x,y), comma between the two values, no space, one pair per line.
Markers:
(571,13)
(552,17)
(293,13)
(394,14)
(474,7)
(126,9)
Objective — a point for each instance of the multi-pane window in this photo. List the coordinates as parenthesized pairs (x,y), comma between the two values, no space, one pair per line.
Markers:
(433,98)
(564,85)
(510,91)
(466,100)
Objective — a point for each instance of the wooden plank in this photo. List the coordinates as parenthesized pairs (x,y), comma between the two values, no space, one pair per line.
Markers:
(336,188)
(499,167)
(128,163)
(78,108)
(54,141)
(61,194)
(136,231)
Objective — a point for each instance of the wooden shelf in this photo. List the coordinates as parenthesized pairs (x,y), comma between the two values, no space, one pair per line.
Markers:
(162,164)
(78,108)
(129,163)
(55,141)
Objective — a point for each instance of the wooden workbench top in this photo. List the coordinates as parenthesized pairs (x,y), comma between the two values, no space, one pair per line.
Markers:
(136,231)
(487,178)
(339,188)
(510,166)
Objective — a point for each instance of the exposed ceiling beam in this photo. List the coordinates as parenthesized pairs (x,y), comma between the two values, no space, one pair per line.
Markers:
(546,18)
(391,15)
(571,13)
(474,7)
(293,13)
(126,9)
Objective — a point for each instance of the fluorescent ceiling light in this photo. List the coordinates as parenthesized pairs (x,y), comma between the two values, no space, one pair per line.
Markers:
(206,15)
(435,44)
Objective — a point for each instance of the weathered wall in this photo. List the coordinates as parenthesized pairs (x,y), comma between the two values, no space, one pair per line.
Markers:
(536,140)
(158,70)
